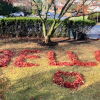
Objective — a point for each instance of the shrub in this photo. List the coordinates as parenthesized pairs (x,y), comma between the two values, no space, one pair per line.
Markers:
(23,26)
(94,17)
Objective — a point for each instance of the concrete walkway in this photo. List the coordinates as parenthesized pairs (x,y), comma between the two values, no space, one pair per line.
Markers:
(94,33)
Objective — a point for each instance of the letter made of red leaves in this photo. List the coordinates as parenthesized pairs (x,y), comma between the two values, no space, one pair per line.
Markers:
(59,80)
(73,58)
(97,55)
(20,61)
(53,62)
(5,57)
(76,62)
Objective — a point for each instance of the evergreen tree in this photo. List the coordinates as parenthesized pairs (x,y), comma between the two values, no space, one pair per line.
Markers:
(5,8)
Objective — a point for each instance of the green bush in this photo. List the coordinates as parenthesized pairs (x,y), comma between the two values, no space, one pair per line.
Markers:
(33,12)
(94,17)
(16,9)
(69,23)
(26,20)
(9,26)
(5,8)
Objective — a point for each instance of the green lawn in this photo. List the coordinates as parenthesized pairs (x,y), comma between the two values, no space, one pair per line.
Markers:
(79,18)
(37,82)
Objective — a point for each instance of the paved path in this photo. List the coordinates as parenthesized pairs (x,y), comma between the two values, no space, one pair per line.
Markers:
(94,33)
(49,17)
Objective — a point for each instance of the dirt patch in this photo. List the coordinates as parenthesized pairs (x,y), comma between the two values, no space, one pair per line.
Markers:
(51,44)
(55,41)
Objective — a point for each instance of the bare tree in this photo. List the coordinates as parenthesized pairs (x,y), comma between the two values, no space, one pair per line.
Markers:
(56,22)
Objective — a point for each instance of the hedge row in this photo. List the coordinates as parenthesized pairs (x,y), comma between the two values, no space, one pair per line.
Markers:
(26,20)
(23,26)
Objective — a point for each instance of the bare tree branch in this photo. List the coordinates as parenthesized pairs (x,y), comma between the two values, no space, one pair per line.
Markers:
(38,9)
(58,24)
(69,3)
(55,10)
(63,8)
(47,9)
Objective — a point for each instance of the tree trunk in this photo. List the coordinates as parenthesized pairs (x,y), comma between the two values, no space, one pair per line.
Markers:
(48,35)
(47,39)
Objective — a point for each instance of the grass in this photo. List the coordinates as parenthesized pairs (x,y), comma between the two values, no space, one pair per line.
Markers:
(79,18)
(37,82)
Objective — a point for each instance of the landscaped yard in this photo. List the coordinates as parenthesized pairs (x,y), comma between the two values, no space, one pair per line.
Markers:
(37,81)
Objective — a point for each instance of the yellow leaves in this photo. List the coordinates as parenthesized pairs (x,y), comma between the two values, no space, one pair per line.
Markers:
(84,1)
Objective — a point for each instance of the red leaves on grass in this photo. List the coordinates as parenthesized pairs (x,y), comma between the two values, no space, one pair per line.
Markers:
(20,61)
(52,61)
(32,99)
(76,62)
(97,55)
(59,80)
(73,58)
(6,57)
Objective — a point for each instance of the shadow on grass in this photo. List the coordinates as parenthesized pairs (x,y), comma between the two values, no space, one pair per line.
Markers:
(54,42)
(42,88)
(42,49)
(76,41)
(91,92)
(21,40)
(35,86)
(4,84)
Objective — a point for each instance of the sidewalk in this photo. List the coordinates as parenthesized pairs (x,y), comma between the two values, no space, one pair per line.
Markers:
(94,33)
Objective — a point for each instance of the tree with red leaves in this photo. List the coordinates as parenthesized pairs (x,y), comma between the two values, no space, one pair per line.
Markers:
(85,7)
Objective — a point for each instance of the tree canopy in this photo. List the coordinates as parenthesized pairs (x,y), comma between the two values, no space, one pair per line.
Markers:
(5,8)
